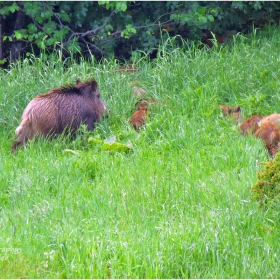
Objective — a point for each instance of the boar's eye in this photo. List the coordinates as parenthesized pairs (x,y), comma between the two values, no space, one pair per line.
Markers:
(98,95)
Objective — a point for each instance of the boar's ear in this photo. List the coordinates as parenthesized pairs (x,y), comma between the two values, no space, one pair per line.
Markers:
(94,86)
(78,81)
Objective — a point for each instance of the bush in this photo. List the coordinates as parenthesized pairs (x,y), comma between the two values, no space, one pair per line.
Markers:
(106,29)
(267,189)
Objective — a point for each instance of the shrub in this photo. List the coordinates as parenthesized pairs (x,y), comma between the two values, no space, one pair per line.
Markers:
(267,189)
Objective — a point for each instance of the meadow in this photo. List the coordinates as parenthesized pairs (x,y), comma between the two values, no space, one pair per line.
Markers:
(177,204)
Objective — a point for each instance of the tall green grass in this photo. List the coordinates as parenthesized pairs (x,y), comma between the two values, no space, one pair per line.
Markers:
(176,206)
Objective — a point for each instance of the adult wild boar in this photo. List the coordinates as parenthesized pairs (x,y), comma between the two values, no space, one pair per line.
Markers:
(60,110)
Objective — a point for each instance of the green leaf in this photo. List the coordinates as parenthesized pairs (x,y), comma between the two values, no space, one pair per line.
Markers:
(202,11)
(2,61)
(50,41)
(95,141)
(108,27)
(74,46)
(18,35)
(110,144)
(8,37)
(31,38)
(14,8)
(111,139)
(39,19)
(32,28)
(121,6)
(71,152)
(210,18)
(115,147)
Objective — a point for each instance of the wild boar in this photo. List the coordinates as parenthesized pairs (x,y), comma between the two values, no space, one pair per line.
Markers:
(61,110)
(273,118)
(250,125)
(270,135)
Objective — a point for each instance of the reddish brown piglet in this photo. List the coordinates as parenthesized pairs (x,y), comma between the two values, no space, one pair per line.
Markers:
(273,118)
(145,102)
(228,110)
(138,119)
(234,112)
(60,110)
(270,135)
(250,125)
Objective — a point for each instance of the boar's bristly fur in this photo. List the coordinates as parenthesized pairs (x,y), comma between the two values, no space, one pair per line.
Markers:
(270,135)
(60,110)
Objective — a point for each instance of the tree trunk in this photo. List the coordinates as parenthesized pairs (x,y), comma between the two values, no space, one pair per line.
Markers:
(19,24)
(1,39)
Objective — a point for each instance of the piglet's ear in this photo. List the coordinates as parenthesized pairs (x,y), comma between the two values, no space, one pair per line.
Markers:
(94,85)
(78,81)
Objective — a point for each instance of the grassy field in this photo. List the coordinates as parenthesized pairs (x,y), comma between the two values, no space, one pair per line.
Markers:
(177,205)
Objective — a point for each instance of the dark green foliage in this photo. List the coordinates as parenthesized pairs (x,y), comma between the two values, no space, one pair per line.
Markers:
(121,29)
(267,189)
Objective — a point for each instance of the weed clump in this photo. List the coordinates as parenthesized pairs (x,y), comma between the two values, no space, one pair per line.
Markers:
(267,189)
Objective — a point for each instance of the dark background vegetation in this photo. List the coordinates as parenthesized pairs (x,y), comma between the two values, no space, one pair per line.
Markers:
(121,29)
